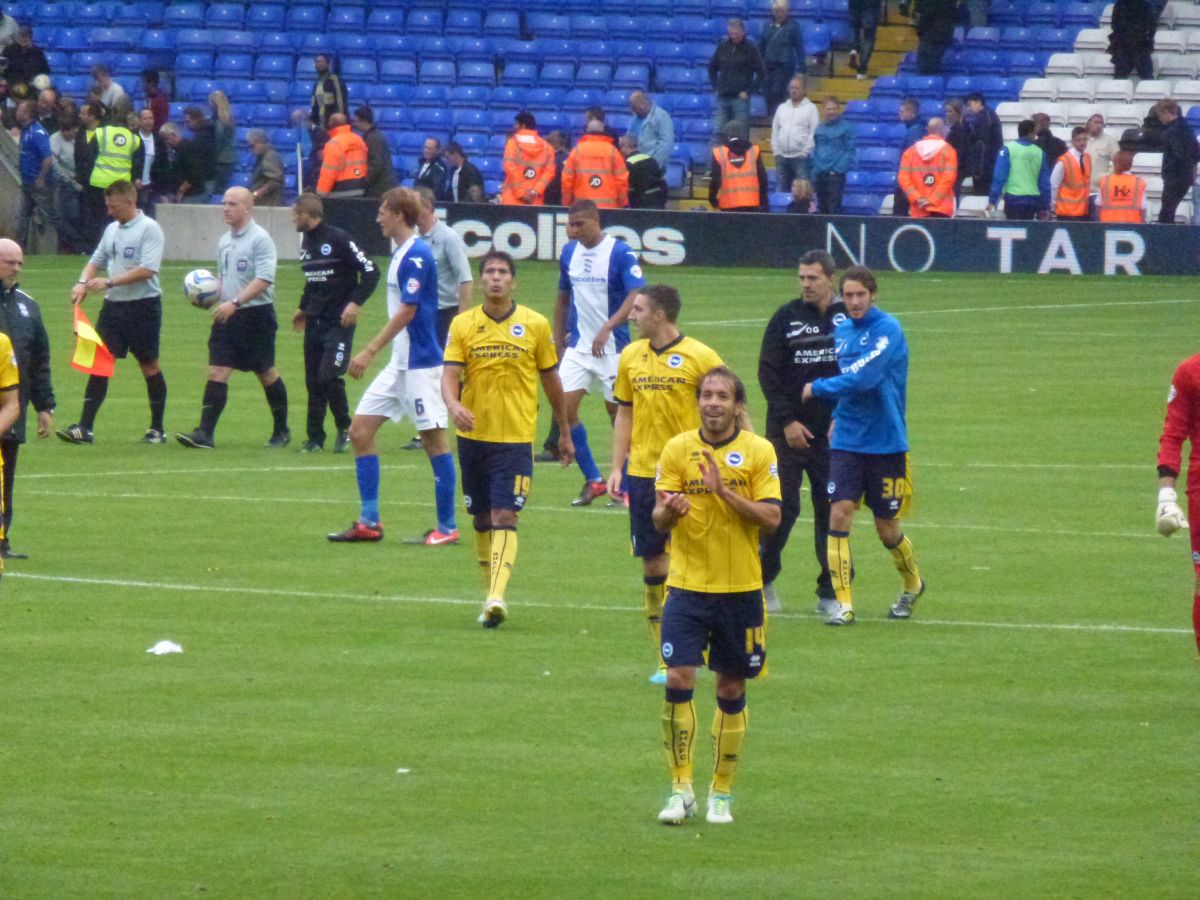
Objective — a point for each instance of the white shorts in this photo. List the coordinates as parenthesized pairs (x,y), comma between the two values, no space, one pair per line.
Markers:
(580,371)
(416,393)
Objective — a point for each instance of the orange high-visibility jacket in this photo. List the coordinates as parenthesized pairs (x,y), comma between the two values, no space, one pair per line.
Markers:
(528,166)
(1073,192)
(1121,198)
(344,164)
(596,171)
(739,179)
(928,171)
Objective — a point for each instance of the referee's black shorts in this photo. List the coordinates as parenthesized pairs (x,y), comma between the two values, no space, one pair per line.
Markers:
(245,341)
(131,326)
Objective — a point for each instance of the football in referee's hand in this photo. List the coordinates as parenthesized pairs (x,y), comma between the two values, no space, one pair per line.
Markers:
(201,288)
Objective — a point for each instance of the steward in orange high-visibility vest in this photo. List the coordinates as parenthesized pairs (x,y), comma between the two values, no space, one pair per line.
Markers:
(596,171)
(1122,195)
(739,180)
(1072,177)
(928,173)
(528,165)
(344,163)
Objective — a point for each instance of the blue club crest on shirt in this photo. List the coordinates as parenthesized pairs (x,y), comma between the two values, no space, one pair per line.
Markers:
(734,458)
(518,330)
(675,361)
(242,265)
(129,253)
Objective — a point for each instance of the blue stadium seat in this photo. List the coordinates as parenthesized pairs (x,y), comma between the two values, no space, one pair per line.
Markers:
(159,46)
(424,21)
(236,63)
(888,86)
(548,25)
(511,50)
(392,116)
(246,91)
(582,98)
(354,44)
(434,47)
(506,97)
(82,61)
(543,98)
(701,29)
(995,88)
(115,39)
(501,24)
(960,85)
(1081,14)
(272,65)
(360,68)
(128,65)
(631,52)
(71,40)
(624,27)
(519,74)
(676,174)
(473,49)
(125,15)
(595,52)
(317,42)
(465,22)
(388,94)
(594,75)
(885,109)
(432,119)
(385,20)
(669,53)
(982,39)
(57,61)
(469,96)
(270,115)
(200,88)
(194,65)
(559,50)
(1049,38)
(869,134)
(1044,13)
(476,73)
(396,46)
(275,42)
(854,204)
(859,111)
(633,77)
(90,15)
(72,85)
(429,95)
(310,19)
(589,28)
(404,70)
(1027,63)
(931,108)
(616,100)
(692,106)
(557,74)
(555,120)
(470,120)
(244,41)
(1016,37)
(497,141)
(265,18)
(923,86)
(986,62)
(346,19)
(224,15)
(436,71)
(681,78)
(472,142)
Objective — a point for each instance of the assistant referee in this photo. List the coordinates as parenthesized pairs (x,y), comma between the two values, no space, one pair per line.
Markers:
(131,251)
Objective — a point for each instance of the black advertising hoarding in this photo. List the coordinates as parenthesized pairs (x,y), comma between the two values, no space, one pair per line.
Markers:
(770,240)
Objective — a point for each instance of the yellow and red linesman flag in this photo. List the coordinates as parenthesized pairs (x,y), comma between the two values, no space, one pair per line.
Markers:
(91,355)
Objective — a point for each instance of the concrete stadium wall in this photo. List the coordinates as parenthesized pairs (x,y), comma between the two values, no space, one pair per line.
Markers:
(192,232)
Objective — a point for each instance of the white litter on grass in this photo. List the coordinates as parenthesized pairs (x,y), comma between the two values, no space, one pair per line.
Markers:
(164,647)
(403,771)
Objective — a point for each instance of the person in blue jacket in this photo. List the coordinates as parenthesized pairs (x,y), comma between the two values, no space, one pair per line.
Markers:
(1022,175)
(832,157)
(868,456)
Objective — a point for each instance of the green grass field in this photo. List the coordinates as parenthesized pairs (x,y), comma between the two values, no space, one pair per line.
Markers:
(338,725)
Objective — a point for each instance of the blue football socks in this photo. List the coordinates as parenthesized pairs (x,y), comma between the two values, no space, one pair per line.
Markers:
(583,453)
(443,490)
(367,469)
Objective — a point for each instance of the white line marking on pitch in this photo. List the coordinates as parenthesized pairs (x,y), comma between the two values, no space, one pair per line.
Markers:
(625,610)
(259,470)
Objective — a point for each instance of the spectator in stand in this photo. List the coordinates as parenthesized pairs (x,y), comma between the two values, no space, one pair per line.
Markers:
(1131,40)
(783,54)
(225,138)
(985,138)
(90,116)
(562,149)
(528,164)
(1180,155)
(956,137)
(143,178)
(739,178)
(864,22)
(1022,176)
(66,189)
(1122,197)
(8,30)
(1054,147)
(343,161)
(1071,179)
(266,179)
(652,128)
(156,98)
(201,154)
(833,155)
(928,174)
(735,72)
(35,160)
(647,186)
(329,93)
(1100,147)
(164,176)
(431,173)
(595,170)
(110,91)
(792,130)
(464,181)
(910,118)
(802,196)
(380,175)
(192,165)
(47,110)
(935,33)
(977,12)
(25,61)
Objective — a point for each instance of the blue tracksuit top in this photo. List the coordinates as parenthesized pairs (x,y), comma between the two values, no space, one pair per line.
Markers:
(872,354)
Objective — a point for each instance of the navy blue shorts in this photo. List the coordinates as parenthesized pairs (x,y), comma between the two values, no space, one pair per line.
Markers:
(730,625)
(494,475)
(245,341)
(647,540)
(131,326)
(879,478)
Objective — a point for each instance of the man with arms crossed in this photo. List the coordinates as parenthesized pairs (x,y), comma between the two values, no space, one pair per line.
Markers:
(717,488)
(495,356)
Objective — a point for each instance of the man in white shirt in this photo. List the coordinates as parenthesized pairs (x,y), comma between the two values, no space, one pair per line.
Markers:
(1100,147)
(110,91)
(792,135)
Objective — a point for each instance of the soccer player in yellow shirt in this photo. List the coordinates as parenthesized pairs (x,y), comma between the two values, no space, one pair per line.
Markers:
(656,400)
(10,408)
(718,487)
(496,353)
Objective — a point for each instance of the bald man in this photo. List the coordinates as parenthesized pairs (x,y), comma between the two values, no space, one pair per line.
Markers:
(928,173)
(21,320)
(244,324)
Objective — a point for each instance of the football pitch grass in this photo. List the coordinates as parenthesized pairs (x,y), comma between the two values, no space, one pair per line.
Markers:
(339,726)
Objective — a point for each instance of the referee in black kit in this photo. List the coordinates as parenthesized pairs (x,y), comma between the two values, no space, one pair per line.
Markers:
(339,278)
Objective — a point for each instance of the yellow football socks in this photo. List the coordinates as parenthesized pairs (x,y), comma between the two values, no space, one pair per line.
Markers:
(906,564)
(679,730)
(728,733)
(653,596)
(483,555)
(838,551)
(503,556)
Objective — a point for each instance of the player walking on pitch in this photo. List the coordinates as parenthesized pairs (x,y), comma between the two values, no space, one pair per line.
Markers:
(656,400)
(496,354)
(869,449)
(1182,424)
(717,488)
(410,384)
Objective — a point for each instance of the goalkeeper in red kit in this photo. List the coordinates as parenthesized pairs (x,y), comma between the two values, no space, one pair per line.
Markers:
(1182,424)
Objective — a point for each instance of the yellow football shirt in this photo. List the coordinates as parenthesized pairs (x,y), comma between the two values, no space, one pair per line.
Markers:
(661,387)
(713,549)
(9,377)
(501,363)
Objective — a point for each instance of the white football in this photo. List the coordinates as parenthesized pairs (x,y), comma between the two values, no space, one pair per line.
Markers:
(202,288)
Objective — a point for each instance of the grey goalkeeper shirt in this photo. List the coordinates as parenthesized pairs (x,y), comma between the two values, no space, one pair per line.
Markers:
(137,243)
(243,256)
(453,267)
